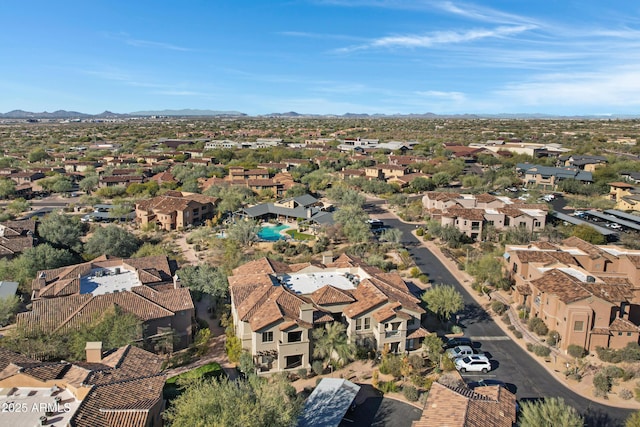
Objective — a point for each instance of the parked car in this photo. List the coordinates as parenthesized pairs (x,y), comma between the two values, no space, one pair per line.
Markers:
(477,363)
(459,351)
(454,342)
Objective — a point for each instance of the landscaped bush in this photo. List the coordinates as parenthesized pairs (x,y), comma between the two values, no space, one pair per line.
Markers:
(576,351)
(317,367)
(499,307)
(302,373)
(552,337)
(506,319)
(424,278)
(411,393)
(511,327)
(420,232)
(517,334)
(391,365)
(455,329)
(630,353)
(602,383)
(625,394)
(541,350)
(388,387)
(613,372)
(530,346)
(537,326)
(448,364)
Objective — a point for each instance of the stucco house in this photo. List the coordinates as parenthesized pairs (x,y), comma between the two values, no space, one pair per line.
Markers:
(276,306)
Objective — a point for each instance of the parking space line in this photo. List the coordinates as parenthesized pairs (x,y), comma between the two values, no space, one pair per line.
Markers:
(500,338)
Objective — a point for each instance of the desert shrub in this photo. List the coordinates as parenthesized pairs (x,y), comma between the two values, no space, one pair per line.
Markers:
(317,367)
(302,373)
(448,364)
(625,394)
(517,334)
(420,232)
(613,371)
(499,307)
(362,353)
(530,346)
(511,327)
(523,313)
(506,319)
(388,387)
(630,353)
(602,383)
(552,337)
(415,272)
(422,382)
(537,326)
(576,351)
(424,278)
(411,393)
(456,329)
(391,365)
(416,361)
(541,350)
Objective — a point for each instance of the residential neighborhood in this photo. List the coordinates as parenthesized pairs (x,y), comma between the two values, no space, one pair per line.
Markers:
(361,277)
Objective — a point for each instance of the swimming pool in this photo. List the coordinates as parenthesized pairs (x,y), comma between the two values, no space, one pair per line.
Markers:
(272,233)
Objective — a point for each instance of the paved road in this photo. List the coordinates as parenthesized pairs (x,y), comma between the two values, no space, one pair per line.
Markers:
(513,364)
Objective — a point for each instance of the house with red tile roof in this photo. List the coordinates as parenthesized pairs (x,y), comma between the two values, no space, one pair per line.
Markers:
(68,297)
(275,306)
(16,236)
(487,406)
(175,210)
(120,387)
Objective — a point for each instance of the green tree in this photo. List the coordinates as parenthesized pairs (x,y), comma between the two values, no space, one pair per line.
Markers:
(8,308)
(112,240)
(256,402)
(487,269)
(88,183)
(18,206)
(114,328)
(392,235)
(62,231)
(432,347)
(443,300)
(205,278)
(331,343)
(588,234)
(7,188)
(38,155)
(550,412)
(41,257)
(244,232)
(354,223)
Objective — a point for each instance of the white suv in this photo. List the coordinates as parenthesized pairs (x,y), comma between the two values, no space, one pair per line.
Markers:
(475,363)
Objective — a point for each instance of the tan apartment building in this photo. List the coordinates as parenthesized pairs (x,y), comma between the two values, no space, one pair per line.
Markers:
(625,195)
(175,210)
(276,306)
(587,293)
(472,213)
(548,178)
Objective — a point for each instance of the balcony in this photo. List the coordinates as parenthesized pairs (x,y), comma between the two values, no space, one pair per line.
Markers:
(391,334)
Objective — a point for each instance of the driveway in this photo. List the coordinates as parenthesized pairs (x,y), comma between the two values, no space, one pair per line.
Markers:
(373,409)
(513,364)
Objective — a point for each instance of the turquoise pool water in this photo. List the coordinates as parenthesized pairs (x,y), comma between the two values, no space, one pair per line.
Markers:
(272,234)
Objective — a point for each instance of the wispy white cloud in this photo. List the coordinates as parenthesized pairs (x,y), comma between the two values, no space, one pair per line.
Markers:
(457,97)
(617,87)
(131,41)
(438,38)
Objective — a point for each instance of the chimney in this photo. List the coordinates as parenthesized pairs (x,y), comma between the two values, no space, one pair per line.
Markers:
(306,313)
(176,282)
(94,351)
(327,257)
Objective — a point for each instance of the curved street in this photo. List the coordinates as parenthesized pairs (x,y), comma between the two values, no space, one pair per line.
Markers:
(514,365)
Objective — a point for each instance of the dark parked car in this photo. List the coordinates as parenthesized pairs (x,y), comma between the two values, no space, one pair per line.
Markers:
(455,342)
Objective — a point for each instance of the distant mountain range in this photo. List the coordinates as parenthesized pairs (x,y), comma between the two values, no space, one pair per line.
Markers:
(63,114)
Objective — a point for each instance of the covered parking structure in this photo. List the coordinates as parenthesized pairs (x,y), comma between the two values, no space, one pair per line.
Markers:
(623,215)
(614,219)
(609,234)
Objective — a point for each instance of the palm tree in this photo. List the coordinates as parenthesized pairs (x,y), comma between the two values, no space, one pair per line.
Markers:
(332,343)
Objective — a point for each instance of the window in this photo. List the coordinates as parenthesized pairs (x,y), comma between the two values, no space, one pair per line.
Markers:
(578,325)
(267,336)
(506,221)
(294,336)
(515,268)
(358,324)
(628,334)
(367,323)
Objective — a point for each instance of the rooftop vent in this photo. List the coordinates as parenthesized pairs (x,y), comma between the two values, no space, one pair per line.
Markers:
(591,279)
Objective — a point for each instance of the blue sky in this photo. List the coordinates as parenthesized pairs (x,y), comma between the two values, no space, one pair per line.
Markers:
(322,56)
